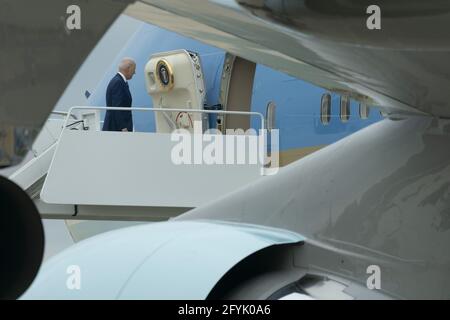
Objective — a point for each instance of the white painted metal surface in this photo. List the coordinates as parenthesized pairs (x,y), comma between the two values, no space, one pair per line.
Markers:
(175,79)
(48,136)
(34,169)
(134,169)
(43,150)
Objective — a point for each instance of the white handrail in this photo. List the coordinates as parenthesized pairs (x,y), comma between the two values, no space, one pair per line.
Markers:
(146,109)
(167,110)
(62,113)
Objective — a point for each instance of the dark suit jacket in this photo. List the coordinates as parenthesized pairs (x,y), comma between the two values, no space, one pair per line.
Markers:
(118,95)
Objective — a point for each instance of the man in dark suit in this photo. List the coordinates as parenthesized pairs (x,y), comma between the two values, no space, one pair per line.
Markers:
(118,95)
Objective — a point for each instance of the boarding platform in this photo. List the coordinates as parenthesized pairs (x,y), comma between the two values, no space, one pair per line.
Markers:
(94,174)
(82,172)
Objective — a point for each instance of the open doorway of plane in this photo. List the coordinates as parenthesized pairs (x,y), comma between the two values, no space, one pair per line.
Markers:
(236,90)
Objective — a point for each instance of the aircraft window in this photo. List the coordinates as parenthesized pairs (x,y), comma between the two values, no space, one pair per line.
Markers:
(325,109)
(364,110)
(345,108)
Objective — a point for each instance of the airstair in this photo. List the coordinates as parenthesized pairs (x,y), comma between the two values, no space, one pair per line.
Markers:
(80,172)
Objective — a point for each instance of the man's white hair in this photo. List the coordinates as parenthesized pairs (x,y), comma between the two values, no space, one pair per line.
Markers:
(126,63)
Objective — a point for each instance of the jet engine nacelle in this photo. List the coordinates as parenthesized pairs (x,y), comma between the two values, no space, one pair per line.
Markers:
(175,81)
(167,260)
(21,240)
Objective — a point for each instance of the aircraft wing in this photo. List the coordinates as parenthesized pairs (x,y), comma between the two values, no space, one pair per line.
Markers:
(402,67)
(42,56)
(39,56)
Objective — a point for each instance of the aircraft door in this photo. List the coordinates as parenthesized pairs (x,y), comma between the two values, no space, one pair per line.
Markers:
(175,80)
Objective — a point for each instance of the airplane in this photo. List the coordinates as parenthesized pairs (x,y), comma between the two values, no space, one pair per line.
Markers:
(312,129)
(373,202)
